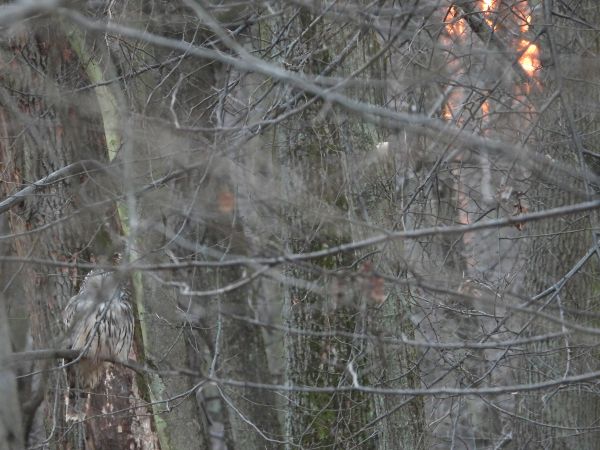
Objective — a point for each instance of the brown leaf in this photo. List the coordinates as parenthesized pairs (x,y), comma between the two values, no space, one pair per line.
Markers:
(521,207)
(374,286)
(225,201)
(67,54)
(377,289)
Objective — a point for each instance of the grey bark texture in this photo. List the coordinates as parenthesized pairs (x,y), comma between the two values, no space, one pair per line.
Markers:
(564,418)
(11,425)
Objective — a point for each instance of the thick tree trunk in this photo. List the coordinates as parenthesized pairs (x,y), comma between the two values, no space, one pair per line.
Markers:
(196,218)
(50,125)
(564,418)
(11,426)
(332,172)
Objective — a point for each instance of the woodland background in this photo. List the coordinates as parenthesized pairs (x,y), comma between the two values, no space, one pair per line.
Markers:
(348,224)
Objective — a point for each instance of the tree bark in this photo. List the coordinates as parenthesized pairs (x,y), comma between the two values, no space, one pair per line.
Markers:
(11,426)
(49,125)
(563,418)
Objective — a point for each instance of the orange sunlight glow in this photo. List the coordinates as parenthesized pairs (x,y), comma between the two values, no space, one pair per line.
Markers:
(514,17)
(454,25)
(530,53)
(525,26)
(524,14)
(485,108)
(529,60)
(510,22)
(487,6)
(452,103)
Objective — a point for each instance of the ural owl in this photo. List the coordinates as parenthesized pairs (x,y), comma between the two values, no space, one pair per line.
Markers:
(99,320)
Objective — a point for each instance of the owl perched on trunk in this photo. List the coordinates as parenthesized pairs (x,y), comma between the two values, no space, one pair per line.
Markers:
(98,319)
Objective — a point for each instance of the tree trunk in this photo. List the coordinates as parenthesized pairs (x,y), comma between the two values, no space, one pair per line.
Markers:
(197,219)
(50,125)
(564,418)
(11,426)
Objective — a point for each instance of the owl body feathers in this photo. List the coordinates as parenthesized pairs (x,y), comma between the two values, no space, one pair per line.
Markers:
(99,320)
